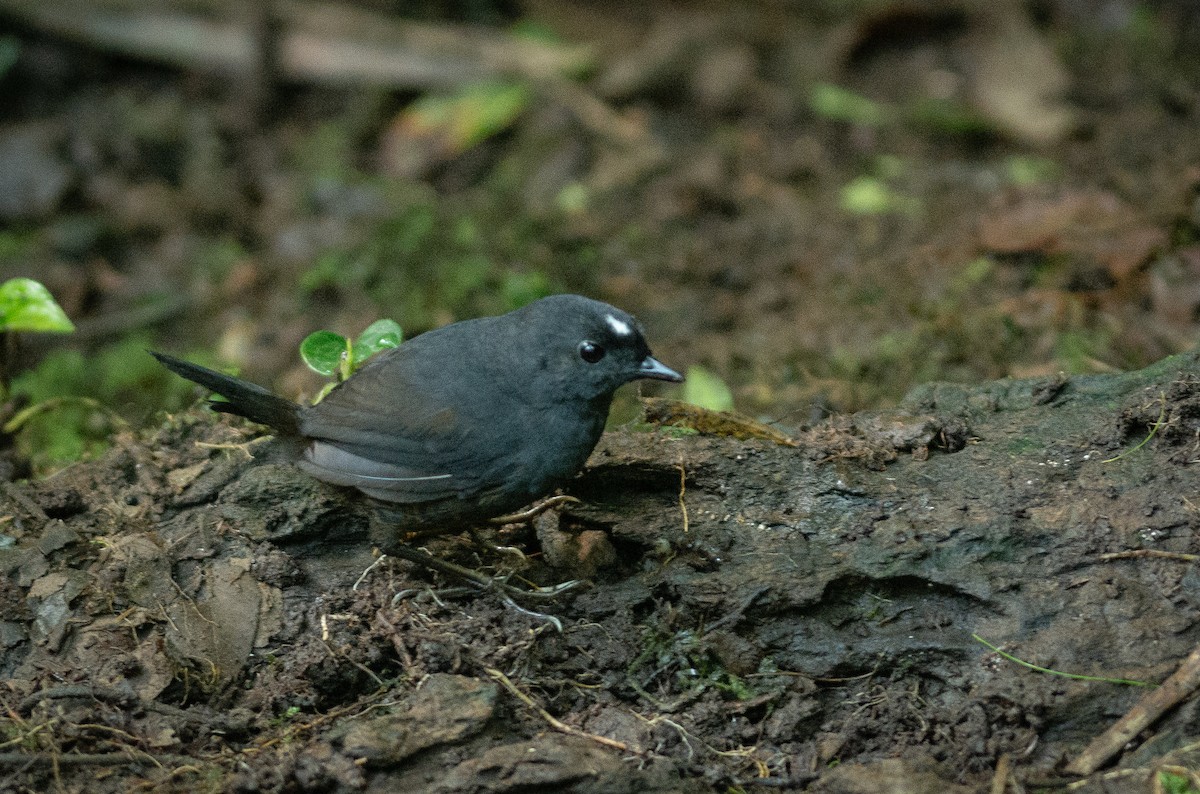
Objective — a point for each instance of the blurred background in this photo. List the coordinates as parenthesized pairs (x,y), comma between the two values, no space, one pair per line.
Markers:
(821,203)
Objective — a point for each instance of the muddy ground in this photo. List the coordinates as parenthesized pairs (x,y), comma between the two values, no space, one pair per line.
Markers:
(827,205)
(180,617)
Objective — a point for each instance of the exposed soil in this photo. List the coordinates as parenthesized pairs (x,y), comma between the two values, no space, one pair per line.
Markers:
(1009,189)
(181,616)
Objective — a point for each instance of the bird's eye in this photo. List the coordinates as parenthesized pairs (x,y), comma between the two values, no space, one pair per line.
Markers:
(590,352)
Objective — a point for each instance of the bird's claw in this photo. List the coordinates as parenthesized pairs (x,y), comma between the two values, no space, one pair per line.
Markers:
(498,585)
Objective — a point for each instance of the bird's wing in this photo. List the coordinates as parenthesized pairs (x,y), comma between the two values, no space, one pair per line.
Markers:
(401,432)
(333,463)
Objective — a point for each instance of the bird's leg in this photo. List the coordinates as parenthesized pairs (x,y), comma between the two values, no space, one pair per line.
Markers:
(522,517)
(424,558)
(508,551)
(501,588)
(499,585)
(526,515)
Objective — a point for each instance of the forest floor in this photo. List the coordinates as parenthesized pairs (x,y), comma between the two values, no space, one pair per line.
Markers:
(953,252)
(749,613)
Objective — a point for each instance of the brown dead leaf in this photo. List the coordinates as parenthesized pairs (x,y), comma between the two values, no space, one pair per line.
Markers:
(1018,82)
(1091,226)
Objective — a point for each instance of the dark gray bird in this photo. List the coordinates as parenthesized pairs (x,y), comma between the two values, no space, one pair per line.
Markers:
(464,422)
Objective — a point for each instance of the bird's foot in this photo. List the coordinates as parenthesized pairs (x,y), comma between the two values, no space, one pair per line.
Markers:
(498,585)
(518,557)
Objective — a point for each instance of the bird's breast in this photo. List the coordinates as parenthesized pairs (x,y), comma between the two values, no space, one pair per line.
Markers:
(553,449)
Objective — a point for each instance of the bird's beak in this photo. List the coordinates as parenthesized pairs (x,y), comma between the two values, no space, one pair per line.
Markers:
(653,368)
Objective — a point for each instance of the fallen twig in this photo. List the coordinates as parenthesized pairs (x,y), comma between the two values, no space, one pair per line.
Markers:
(1133,554)
(553,721)
(1003,771)
(317,43)
(1182,683)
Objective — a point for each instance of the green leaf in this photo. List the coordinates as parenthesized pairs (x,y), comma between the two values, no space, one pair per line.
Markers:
(324,352)
(1174,783)
(838,104)
(573,199)
(706,390)
(378,336)
(866,195)
(1025,170)
(25,305)
(471,115)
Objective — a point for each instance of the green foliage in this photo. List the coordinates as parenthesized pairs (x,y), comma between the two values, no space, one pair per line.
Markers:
(327,353)
(463,119)
(1049,671)
(873,193)
(331,354)
(1025,170)
(573,199)
(868,195)
(1077,349)
(840,104)
(26,305)
(16,244)
(1147,31)
(424,261)
(707,390)
(1176,782)
(67,394)
(378,336)
(948,116)
(289,715)
(518,289)
(682,664)
(976,272)
(670,431)
(534,31)
(337,356)
(427,257)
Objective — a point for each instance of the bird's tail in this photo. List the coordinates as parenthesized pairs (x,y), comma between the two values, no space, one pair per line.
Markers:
(245,399)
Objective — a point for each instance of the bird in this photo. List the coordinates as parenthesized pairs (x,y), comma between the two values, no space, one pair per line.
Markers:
(464,422)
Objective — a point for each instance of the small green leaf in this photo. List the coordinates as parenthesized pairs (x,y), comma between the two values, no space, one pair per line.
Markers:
(1171,782)
(470,115)
(866,195)
(1025,170)
(573,199)
(706,390)
(839,104)
(26,305)
(378,336)
(324,352)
